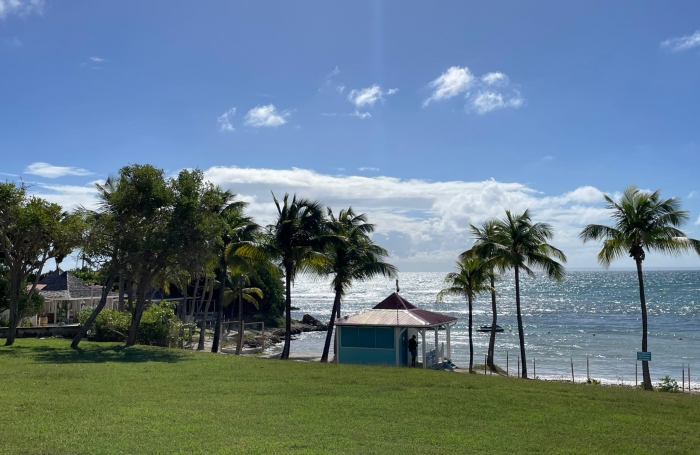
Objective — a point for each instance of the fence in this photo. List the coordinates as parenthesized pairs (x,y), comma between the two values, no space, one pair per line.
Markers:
(568,373)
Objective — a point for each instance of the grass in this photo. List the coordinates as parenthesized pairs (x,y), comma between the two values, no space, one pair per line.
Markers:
(109,399)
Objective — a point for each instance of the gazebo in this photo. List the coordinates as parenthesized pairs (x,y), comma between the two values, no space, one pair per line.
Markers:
(380,336)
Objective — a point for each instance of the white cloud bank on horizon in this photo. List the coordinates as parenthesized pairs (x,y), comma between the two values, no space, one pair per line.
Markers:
(20,7)
(683,43)
(485,94)
(423,224)
(50,171)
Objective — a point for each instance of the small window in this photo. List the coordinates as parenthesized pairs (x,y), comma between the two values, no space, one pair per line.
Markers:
(348,337)
(384,338)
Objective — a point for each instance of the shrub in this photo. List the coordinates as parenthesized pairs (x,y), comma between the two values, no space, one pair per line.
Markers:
(668,384)
(110,325)
(4,322)
(159,325)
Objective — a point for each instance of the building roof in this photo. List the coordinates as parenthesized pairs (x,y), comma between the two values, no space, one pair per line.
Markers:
(394,302)
(391,312)
(58,285)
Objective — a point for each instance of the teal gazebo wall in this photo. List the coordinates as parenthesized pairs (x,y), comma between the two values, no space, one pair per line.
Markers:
(366,345)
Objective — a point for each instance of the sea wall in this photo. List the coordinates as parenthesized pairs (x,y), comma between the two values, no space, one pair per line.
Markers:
(66,331)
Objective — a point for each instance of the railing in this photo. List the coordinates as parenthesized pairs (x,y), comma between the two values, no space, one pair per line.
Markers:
(432,355)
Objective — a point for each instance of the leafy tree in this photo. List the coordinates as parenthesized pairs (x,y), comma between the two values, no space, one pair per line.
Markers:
(236,283)
(351,256)
(522,245)
(484,248)
(28,306)
(32,230)
(470,279)
(643,222)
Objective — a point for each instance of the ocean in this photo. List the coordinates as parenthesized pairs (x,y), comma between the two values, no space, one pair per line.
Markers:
(592,314)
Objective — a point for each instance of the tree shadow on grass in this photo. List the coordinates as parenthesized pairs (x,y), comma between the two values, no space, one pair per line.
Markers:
(96,354)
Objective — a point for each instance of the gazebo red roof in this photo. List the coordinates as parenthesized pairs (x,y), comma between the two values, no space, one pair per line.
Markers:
(397,311)
(394,302)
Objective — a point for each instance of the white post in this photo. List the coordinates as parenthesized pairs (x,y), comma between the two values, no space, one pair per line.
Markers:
(448,354)
(422,332)
(436,345)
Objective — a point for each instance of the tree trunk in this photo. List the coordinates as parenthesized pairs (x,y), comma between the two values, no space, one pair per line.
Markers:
(645,365)
(220,312)
(85,328)
(494,322)
(337,315)
(203,326)
(14,308)
(121,293)
(130,296)
(202,297)
(136,317)
(239,344)
(521,335)
(331,325)
(288,312)
(184,300)
(190,313)
(471,343)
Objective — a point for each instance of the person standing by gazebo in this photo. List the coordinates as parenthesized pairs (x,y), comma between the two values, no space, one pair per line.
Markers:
(413,349)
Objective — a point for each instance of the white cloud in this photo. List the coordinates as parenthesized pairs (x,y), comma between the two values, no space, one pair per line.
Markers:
(424,224)
(50,171)
(266,116)
(361,115)
(451,83)
(68,196)
(367,97)
(335,72)
(683,43)
(488,101)
(366,169)
(97,59)
(340,88)
(693,194)
(548,158)
(491,92)
(224,120)
(20,7)
(698,220)
(495,79)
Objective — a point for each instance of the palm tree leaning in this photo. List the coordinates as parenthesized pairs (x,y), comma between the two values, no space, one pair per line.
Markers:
(470,280)
(296,242)
(643,222)
(522,245)
(484,248)
(351,255)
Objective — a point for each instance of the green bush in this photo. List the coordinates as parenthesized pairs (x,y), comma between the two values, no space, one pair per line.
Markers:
(110,325)
(668,384)
(159,325)
(4,322)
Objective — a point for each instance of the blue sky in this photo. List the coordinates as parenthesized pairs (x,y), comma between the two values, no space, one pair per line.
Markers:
(426,115)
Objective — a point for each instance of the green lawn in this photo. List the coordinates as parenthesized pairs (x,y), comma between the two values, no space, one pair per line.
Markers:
(110,399)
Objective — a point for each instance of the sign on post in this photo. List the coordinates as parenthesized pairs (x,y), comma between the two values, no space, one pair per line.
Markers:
(644,356)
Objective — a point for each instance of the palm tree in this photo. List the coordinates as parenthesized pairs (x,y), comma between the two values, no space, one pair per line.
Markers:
(470,280)
(235,284)
(522,245)
(643,222)
(296,242)
(484,248)
(236,227)
(351,256)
